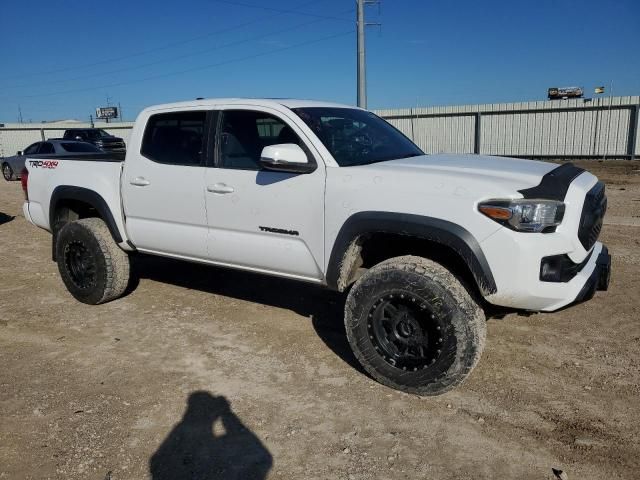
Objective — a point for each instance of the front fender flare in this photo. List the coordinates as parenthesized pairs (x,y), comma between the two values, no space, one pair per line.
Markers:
(436,230)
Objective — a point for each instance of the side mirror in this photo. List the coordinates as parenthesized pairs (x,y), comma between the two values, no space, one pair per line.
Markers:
(19,153)
(286,157)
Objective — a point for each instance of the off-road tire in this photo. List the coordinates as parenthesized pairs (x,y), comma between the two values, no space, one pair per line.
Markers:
(7,172)
(428,297)
(92,266)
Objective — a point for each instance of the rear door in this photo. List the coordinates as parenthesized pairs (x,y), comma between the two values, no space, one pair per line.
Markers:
(259,219)
(163,185)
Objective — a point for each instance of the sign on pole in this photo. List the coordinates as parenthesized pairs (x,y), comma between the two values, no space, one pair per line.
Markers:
(105,113)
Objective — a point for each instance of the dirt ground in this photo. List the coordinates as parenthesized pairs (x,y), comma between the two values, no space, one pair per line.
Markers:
(254,373)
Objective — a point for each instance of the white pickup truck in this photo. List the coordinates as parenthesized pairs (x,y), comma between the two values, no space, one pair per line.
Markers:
(332,195)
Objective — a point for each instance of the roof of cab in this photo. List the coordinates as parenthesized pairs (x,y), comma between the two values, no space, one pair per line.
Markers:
(260,102)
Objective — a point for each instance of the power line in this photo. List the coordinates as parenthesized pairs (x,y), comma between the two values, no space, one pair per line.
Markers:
(168,45)
(189,70)
(174,58)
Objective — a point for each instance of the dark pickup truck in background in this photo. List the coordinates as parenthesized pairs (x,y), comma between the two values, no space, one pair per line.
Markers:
(97,136)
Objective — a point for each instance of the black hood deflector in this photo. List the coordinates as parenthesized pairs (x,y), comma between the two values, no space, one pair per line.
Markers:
(554,185)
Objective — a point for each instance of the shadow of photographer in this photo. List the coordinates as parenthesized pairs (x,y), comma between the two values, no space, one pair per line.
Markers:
(209,443)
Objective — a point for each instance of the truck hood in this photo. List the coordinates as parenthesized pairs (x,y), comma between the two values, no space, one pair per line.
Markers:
(512,173)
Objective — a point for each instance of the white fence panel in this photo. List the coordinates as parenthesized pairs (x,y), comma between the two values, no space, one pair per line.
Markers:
(558,129)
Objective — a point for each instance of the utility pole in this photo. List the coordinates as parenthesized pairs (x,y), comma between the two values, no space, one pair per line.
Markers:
(362,67)
(108,105)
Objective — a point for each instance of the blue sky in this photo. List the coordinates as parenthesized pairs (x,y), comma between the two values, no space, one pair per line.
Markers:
(61,59)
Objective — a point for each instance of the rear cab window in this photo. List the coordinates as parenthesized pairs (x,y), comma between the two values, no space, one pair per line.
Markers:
(176,138)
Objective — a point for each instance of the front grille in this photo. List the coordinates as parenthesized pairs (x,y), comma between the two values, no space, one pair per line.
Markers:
(595,206)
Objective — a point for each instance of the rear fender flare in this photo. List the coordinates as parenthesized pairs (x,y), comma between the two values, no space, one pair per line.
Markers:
(69,192)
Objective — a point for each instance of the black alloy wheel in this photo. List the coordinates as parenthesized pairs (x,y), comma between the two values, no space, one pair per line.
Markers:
(414,326)
(406,331)
(91,264)
(81,265)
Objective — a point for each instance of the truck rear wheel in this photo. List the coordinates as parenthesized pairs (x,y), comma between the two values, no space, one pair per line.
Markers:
(92,266)
(413,326)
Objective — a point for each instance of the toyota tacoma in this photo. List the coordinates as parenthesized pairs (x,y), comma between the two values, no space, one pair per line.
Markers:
(332,195)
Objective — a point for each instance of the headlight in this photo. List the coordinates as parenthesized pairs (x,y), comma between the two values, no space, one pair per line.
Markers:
(525,215)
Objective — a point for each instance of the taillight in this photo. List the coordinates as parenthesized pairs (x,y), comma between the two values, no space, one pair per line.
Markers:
(24,179)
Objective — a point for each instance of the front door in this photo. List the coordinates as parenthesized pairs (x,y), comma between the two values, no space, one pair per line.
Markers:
(163,185)
(259,219)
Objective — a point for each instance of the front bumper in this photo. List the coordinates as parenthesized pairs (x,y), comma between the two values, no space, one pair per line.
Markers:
(517,259)
(599,278)
(523,289)
(527,292)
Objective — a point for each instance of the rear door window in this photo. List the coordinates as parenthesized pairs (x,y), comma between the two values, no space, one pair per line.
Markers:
(176,138)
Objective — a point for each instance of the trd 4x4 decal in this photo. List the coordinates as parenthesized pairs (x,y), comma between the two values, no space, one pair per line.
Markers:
(43,163)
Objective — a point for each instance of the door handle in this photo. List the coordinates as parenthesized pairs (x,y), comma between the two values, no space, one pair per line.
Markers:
(140,182)
(220,188)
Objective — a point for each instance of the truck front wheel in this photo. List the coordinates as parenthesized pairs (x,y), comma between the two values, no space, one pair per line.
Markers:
(413,326)
(92,266)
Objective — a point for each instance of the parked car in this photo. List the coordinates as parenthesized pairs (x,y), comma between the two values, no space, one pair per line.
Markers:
(13,166)
(99,137)
(335,196)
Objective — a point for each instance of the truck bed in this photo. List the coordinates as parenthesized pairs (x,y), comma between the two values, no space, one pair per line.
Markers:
(99,173)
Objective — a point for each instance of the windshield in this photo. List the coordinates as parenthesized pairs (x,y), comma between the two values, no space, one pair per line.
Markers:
(357,137)
(78,147)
